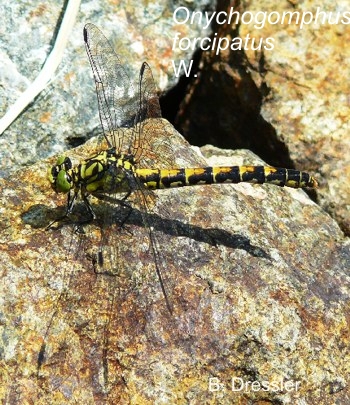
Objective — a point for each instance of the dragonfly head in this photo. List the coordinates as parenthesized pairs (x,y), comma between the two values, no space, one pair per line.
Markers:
(60,175)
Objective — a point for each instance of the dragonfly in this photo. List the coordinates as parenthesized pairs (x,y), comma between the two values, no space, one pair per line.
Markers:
(139,157)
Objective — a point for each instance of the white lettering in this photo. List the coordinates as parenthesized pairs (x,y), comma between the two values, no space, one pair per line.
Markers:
(220,48)
(203,41)
(335,21)
(217,43)
(214,41)
(291,15)
(238,384)
(269,44)
(261,21)
(274,386)
(265,385)
(303,19)
(175,41)
(233,13)
(243,17)
(218,18)
(233,384)
(193,17)
(346,18)
(182,65)
(214,384)
(318,13)
(255,385)
(236,44)
(277,17)
(209,19)
(184,44)
(180,11)
(246,42)
(256,47)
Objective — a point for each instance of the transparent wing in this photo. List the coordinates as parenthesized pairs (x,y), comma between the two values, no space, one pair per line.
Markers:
(149,100)
(117,100)
(152,134)
(131,120)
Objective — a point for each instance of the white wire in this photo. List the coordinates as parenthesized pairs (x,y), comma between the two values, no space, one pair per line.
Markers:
(46,73)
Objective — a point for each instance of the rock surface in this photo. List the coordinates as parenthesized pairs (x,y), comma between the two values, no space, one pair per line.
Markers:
(290,104)
(258,277)
(65,114)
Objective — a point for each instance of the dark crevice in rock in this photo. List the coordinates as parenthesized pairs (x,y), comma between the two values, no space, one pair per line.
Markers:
(222,105)
(170,101)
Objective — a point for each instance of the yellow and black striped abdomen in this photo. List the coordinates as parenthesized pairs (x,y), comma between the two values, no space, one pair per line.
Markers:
(157,178)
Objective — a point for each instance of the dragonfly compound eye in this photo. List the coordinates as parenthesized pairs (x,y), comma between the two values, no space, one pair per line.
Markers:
(63,162)
(63,182)
(59,176)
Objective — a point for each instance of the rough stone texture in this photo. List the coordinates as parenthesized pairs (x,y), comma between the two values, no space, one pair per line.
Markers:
(309,107)
(65,114)
(258,277)
(290,105)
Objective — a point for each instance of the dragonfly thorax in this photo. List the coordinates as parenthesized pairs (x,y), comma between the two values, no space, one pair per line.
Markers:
(105,172)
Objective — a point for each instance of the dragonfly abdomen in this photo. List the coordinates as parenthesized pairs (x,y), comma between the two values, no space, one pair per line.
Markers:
(166,178)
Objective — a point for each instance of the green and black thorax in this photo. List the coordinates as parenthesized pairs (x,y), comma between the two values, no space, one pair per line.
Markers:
(106,172)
